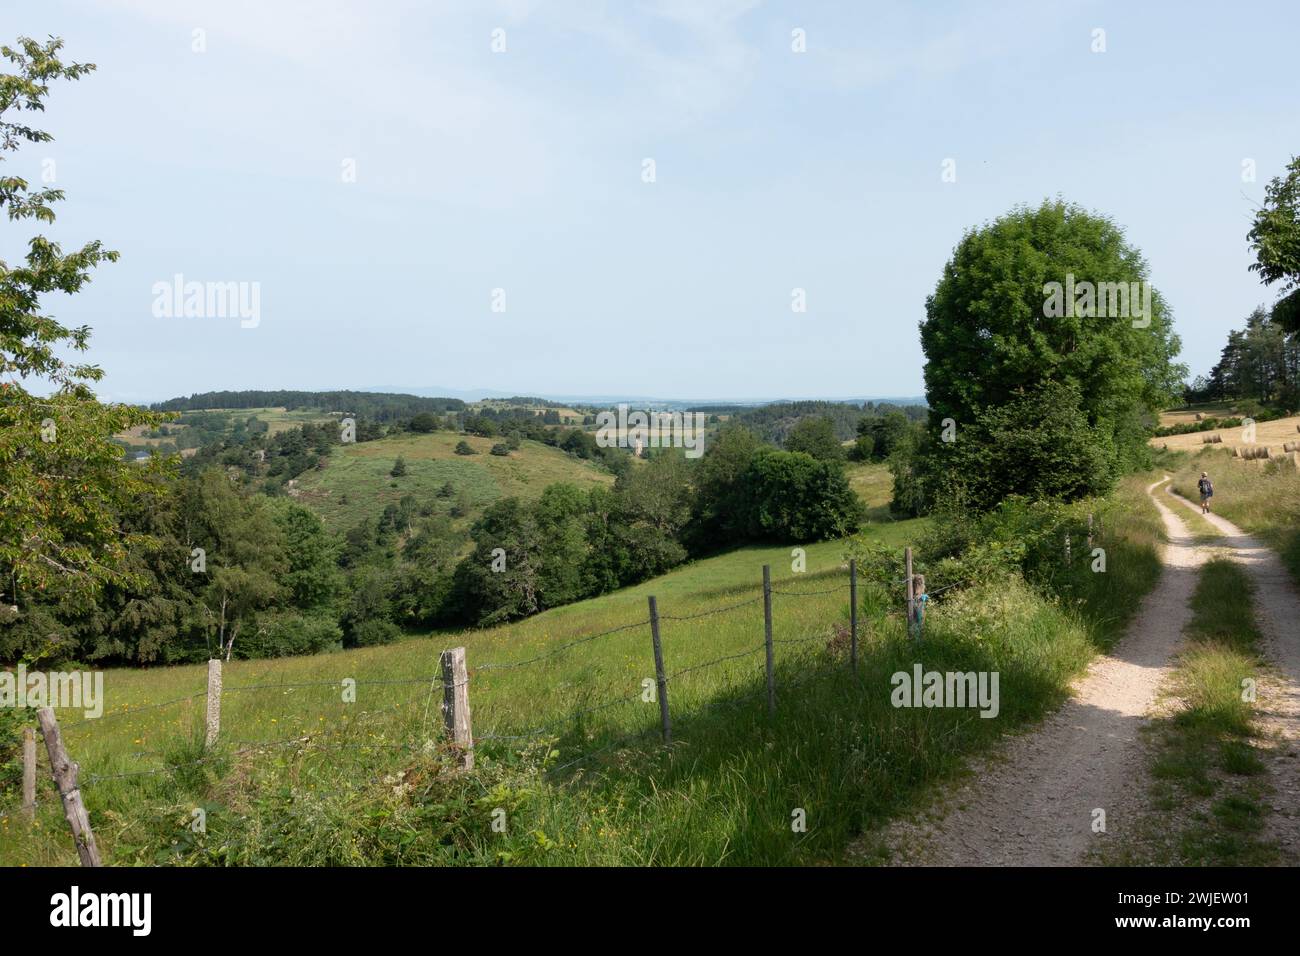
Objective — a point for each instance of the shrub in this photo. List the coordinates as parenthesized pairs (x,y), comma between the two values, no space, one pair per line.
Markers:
(465,448)
(815,437)
(424,423)
(1037,445)
(282,635)
(862,448)
(12,721)
(791,496)
(374,632)
(500,450)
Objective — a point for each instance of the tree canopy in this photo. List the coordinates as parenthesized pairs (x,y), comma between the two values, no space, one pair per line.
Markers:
(63,481)
(1275,240)
(992,336)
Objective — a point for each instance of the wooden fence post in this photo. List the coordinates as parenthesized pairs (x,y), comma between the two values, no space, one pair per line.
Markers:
(911,602)
(65,773)
(853,614)
(767,640)
(661,680)
(29,773)
(214,702)
(455,704)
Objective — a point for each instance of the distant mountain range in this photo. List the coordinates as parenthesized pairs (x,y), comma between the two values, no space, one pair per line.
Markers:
(478,394)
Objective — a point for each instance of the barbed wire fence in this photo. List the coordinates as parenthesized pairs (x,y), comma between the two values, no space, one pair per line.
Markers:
(453,681)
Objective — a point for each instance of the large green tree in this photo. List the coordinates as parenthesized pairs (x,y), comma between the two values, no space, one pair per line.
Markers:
(995,330)
(63,483)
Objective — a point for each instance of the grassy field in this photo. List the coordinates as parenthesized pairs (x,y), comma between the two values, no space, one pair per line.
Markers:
(568,754)
(356,484)
(873,483)
(1261,497)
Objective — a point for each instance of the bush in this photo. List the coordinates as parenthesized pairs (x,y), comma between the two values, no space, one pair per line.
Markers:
(424,423)
(283,635)
(1038,445)
(465,448)
(374,632)
(816,437)
(862,448)
(791,496)
(500,450)
(12,722)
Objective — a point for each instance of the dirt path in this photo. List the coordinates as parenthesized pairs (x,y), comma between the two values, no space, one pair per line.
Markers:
(1277,606)
(1033,806)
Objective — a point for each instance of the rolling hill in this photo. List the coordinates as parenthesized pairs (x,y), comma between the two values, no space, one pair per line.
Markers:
(356,483)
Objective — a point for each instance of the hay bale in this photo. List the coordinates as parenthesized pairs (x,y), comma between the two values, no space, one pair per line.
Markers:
(1200,417)
(1290,446)
(1255,452)
(1213,438)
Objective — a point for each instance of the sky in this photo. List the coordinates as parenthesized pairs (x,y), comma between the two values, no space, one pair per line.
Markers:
(457,195)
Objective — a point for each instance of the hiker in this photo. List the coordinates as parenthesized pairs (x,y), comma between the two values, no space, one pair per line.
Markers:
(1206,488)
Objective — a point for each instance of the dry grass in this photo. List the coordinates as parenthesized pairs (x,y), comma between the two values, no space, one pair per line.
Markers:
(1270,434)
(1184,416)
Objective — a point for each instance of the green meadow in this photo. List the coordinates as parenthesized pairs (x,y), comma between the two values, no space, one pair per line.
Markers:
(356,483)
(570,768)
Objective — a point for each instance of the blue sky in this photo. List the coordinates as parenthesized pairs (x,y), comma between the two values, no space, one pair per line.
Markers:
(522,170)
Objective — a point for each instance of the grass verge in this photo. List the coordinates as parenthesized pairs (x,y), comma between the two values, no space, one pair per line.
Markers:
(1209,789)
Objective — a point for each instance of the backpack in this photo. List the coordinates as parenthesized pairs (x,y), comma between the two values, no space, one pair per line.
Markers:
(1206,486)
